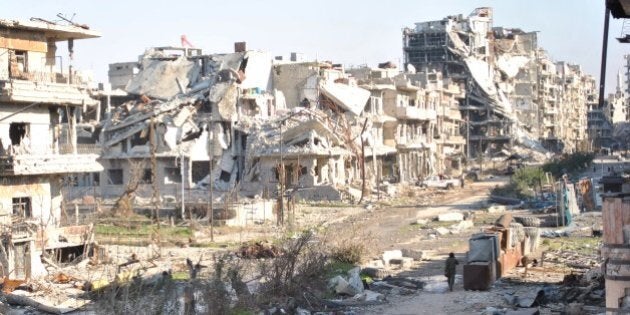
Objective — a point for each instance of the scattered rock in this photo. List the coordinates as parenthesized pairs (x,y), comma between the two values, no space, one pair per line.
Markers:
(442,231)
(340,286)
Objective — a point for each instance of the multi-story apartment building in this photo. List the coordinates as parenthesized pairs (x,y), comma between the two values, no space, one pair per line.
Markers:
(515,93)
(41,105)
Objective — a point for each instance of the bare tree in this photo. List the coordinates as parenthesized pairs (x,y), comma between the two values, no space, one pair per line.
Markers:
(124,204)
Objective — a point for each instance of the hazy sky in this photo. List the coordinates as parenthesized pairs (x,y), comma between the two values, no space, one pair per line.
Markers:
(348,32)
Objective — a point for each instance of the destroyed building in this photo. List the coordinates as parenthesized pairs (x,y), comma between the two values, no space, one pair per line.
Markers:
(41,106)
(421,121)
(617,109)
(513,89)
(184,117)
(318,140)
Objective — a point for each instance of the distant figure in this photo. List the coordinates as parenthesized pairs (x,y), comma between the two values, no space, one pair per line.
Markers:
(450,270)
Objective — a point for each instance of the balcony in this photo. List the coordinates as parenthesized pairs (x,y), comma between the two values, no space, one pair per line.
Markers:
(418,142)
(45,92)
(451,139)
(415,113)
(41,161)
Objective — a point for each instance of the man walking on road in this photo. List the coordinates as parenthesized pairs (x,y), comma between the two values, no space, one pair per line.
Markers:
(450,270)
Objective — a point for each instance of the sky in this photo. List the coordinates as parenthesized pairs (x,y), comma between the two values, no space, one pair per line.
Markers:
(348,32)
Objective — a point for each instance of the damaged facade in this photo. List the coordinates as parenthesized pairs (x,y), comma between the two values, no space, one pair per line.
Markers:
(617,112)
(263,129)
(420,119)
(185,114)
(41,106)
(513,90)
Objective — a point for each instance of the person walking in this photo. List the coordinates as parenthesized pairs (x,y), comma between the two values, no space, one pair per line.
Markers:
(450,270)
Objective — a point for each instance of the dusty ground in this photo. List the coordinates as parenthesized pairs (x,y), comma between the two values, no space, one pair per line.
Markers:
(391,226)
(388,223)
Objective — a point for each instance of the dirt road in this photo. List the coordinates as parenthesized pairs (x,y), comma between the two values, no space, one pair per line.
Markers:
(393,228)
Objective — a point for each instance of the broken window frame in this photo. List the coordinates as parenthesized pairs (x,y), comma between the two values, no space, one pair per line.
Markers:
(22,207)
(115,171)
(17,134)
(172,175)
(147,177)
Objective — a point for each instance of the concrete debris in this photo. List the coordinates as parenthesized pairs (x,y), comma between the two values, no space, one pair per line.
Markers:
(417,254)
(463,225)
(352,285)
(452,216)
(354,279)
(352,99)
(162,75)
(388,255)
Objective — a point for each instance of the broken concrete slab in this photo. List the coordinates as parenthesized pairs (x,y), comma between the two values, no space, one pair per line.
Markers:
(352,99)
(417,254)
(463,225)
(158,78)
(340,286)
(388,255)
(354,279)
(451,216)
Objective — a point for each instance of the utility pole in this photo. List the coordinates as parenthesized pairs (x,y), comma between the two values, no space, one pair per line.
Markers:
(281,179)
(183,175)
(602,74)
(154,182)
(363,188)
(210,211)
